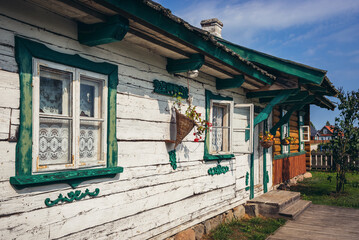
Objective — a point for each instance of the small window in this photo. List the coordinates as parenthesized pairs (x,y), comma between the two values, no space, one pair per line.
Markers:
(285,133)
(69,117)
(305,134)
(220,137)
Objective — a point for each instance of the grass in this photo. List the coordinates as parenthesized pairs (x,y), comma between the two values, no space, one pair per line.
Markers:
(255,228)
(320,190)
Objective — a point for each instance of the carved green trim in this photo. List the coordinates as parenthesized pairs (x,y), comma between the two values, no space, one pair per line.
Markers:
(71,196)
(25,51)
(218,170)
(251,176)
(263,115)
(172,155)
(73,178)
(235,82)
(113,30)
(207,156)
(286,117)
(247,188)
(247,178)
(194,62)
(170,89)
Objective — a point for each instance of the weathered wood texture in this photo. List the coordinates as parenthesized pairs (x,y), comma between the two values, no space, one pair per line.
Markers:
(321,222)
(287,168)
(149,199)
(293,132)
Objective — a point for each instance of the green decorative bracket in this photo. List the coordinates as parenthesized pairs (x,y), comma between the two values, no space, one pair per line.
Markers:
(235,82)
(263,115)
(194,62)
(113,30)
(173,162)
(266,177)
(247,178)
(71,196)
(170,89)
(218,170)
(286,117)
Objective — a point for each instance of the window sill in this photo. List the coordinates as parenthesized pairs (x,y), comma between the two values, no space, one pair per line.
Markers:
(210,157)
(73,178)
(286,155)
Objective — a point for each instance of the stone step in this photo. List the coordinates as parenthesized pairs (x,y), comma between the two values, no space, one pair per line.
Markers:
(295,209)
(278,199)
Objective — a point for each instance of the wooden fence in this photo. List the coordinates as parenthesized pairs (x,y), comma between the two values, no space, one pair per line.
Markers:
(323,161)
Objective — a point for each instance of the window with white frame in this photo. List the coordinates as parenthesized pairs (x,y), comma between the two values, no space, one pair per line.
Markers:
(285,133)
(221,131)
(69,117)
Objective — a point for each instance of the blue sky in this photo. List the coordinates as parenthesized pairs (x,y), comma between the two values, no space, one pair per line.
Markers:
(319,33)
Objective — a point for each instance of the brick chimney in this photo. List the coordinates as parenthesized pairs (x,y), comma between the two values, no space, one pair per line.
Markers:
(213,26)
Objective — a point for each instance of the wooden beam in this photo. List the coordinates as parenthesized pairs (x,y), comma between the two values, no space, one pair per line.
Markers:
(292,99)
(286,117)
(270,93)
(235,82)
(268,109)
(83,8)
(158,42)
(194,62)
(113,30)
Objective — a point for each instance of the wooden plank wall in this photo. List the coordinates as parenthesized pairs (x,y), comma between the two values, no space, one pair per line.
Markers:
(287,168)
(149,199)
(293,132)
(284,169)
(307,145)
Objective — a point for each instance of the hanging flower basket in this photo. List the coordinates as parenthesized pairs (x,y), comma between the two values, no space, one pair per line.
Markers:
(285,142)
(266,140)
(184,126)
(266,144)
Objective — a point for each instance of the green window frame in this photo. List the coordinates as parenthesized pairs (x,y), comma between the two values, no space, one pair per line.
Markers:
(207,156)
(25,51)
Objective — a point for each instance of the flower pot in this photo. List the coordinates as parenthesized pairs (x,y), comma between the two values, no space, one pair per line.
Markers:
(184,126)
(266,144)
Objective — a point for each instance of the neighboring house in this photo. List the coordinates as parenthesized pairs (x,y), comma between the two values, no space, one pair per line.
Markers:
(313,132)
(326,133)
(86,95)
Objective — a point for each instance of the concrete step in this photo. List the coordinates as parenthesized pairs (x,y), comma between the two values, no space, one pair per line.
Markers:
(295,209)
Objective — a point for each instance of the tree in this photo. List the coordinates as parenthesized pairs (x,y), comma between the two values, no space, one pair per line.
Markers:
(327,124)
(345,141)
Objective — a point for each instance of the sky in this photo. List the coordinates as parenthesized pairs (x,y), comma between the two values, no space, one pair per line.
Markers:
(319,33)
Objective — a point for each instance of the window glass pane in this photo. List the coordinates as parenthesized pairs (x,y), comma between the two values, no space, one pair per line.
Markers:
(218,113)
(90,97)
(217,139)
(54,141)
(90,142)
(87,100)
(54,91)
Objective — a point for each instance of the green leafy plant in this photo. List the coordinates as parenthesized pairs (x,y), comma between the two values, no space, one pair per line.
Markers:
(345,140)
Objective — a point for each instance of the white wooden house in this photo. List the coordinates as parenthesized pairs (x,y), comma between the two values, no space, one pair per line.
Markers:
(86,114)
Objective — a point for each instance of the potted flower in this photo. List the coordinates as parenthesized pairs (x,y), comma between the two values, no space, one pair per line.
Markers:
(187,121)
(287,140)
(266,140)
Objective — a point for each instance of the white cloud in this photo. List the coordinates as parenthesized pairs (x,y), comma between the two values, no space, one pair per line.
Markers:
(251,17)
